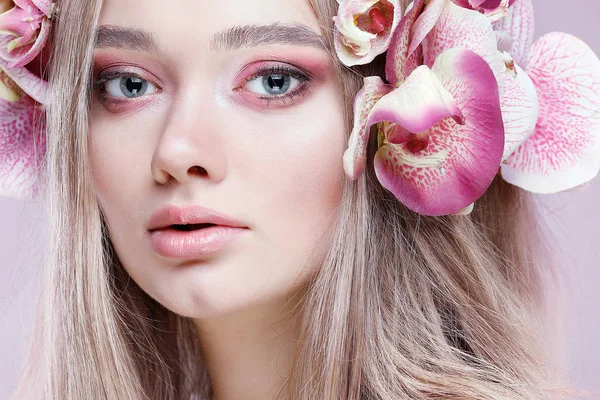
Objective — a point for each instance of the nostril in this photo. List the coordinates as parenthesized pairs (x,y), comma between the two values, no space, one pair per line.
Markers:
(196,170)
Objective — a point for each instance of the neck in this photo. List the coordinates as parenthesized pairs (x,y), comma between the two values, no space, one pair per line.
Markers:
(249,353)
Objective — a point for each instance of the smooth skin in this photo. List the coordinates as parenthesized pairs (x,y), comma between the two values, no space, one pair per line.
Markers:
(198,133)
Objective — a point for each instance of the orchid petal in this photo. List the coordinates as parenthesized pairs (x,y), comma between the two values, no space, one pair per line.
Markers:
(463,3)
(458,162)
(363,29)
(461,28)
(355,155)
(30,83)
(397,54)
(45,6)
(21,21)
(22,56)
(9,90)
(23,4)
(465,211)
(492,9)
(504,41)
(425,23)
(564,150)
(520,109)
(20,156)
(420,30)
(519,24)
(489,4)
(418,104)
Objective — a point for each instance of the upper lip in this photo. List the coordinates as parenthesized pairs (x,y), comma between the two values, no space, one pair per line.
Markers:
(169,215)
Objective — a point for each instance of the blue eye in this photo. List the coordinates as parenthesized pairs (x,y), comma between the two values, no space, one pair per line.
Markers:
(274,84)
(279,83)
(127,86)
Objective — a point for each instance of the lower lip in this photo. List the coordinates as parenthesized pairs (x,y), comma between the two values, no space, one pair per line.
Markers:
(173,243)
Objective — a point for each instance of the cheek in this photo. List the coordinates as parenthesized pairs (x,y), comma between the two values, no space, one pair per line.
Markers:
(315,161)
(119,157)
(117,178)
(304,183)
(104,164)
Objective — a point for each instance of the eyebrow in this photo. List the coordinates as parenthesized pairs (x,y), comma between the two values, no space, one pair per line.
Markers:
(231,39)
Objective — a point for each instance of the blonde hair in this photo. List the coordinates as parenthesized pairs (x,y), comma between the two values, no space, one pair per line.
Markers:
(403,307)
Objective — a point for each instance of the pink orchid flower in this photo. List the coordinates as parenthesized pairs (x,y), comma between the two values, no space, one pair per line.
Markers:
(441,140)
(363,29)
(551,112)
(442,136)
(563,152)
(493,9)
(23,94)
(430,29)
(440,25)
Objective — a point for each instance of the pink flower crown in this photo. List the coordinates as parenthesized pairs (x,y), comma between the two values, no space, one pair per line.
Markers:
(469,96)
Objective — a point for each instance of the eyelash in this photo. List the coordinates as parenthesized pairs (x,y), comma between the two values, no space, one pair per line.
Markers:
(304,87)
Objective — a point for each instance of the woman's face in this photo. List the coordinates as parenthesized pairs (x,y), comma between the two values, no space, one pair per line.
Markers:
(247,125)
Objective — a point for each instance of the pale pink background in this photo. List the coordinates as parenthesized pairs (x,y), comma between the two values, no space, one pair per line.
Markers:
(574,218)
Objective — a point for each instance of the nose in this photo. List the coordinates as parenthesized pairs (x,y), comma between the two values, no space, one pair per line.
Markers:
(191,146)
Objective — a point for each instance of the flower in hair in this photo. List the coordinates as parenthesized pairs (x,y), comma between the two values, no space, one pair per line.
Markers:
(493,9)
(458,107)
(563,150)
(24,32)
(363,29)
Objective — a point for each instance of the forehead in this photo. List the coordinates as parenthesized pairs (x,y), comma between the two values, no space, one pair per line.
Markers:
(194,23)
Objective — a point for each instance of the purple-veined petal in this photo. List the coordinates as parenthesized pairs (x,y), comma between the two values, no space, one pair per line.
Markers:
(461,28)
(418,104)
(493,9)
(463,3)
(9,90)
(397,54)
(355,155)
(564,150)
(520,109)
(519,24)
(45,6)
(363,29)
(30,83)
(425,23)
(20,24)
(504,41)
(446,169)
(20,152)
(421,28)
(22,56)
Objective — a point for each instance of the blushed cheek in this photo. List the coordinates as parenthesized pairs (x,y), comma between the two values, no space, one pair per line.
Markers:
(327,171)
(109,176)
(319,177)
(324,163)
(98,164)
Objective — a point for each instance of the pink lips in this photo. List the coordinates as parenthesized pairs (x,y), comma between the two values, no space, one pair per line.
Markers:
(170,242)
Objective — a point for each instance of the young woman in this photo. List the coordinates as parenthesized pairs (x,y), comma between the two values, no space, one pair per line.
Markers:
(208,243)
